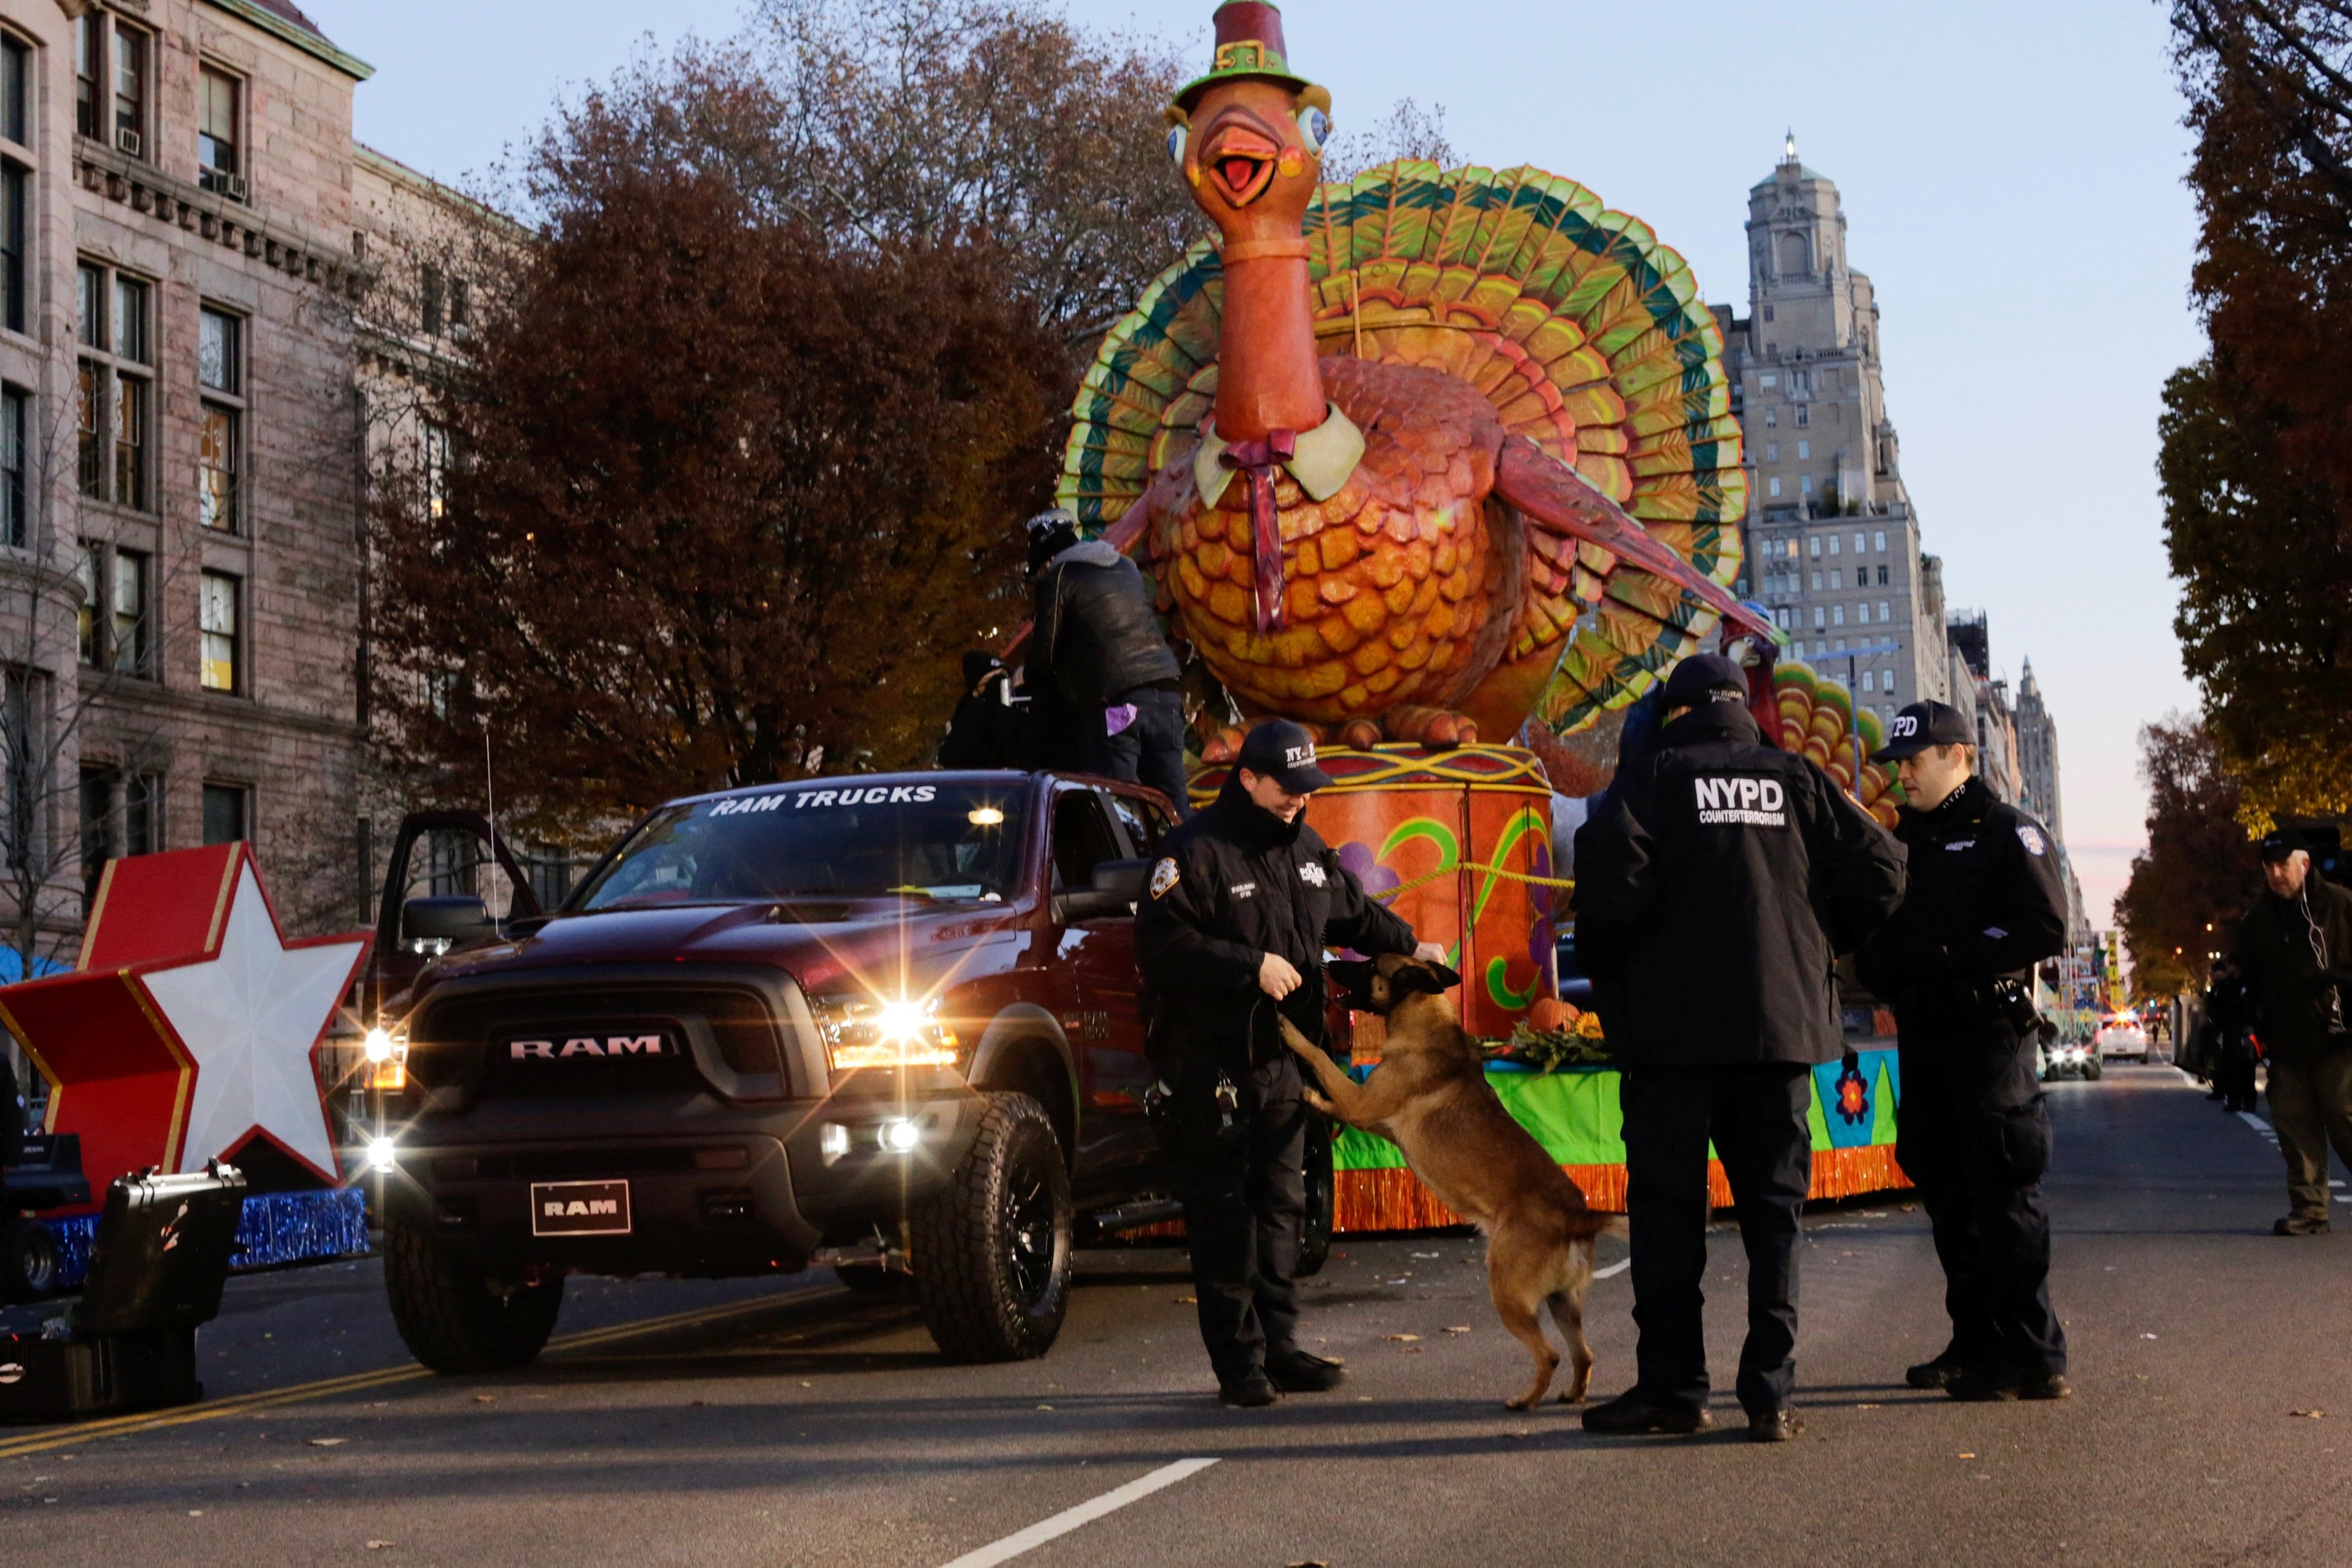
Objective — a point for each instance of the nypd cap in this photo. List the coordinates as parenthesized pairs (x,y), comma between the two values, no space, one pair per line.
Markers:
(1921,726)
(1284,752)
(1700,679)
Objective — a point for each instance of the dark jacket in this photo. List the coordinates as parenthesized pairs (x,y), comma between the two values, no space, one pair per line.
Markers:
(1986,904)
(2299,1004)
(1230,886)
(988,730)
(1096,637)
(1714,893)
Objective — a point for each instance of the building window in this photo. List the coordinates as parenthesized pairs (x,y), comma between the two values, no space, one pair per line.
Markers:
(1806,483)
(1804,415)
(1813,547)
(15,82)
(89,81)
(1837,614)
(1833,544)
(1821,619)
(1857,544)
(432,291)
(112,321)
(1882,616)
(128,610)
(1805,451)
(1771,418)
(227,814)
(16,497)
(219,98)
(1869,681)
(1882,577)
(220,368)
(142,814)
(1837,577)
(1773,485)
(131,56)
(85,571)
(1767,312)
(1881,537)
(97,830)
(16,198)
(1772,452)
(218,614)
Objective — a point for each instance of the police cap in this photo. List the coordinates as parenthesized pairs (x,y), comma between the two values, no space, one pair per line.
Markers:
(1921,726)
(1697,680)
(1284,752)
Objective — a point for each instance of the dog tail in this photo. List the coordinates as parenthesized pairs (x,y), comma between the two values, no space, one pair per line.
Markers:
(1586,1223)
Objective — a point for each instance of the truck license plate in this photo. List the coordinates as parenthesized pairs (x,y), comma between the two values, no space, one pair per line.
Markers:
(580,1208)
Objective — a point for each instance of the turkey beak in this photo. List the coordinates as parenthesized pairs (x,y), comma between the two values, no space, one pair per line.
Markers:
(1241,161)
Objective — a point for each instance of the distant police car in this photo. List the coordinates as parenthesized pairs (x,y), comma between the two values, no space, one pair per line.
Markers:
(2121,1034)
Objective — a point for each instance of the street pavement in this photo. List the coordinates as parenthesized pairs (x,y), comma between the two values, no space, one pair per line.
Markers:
(791,1423)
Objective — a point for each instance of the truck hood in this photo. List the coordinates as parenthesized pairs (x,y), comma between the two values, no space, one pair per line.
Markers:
(822,945)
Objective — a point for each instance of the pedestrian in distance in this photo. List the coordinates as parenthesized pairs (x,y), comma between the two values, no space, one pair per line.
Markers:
(1956,963)
(1098,663)
(2294,951)
(1242,902)
(1714,891)
(2231,1057)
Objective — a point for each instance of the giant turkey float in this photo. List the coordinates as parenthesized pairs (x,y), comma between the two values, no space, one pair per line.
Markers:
(1441,462)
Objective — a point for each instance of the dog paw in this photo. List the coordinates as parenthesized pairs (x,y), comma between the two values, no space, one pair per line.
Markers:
(1521,1402)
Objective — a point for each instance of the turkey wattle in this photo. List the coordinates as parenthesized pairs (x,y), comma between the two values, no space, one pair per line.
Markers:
(1382,431)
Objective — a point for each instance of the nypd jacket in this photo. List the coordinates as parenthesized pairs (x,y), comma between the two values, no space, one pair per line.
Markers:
(1232,885)
(1714,893)
(1986,904)
(1096,637)
(2296,957)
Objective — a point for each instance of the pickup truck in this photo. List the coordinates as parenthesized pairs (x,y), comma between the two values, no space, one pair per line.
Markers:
(890,1022)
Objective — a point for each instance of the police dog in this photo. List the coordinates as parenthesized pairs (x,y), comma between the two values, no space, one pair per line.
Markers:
(1430,1097)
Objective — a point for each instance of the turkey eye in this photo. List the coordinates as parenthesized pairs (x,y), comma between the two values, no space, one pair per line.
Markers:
(1315,129)
(1176,135)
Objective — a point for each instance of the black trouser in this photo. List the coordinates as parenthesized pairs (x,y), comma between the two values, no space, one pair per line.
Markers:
(1755,1116)
(1972,1132)
(1244,1205)
(1150,750)
(2311,1107)
(2233,1075)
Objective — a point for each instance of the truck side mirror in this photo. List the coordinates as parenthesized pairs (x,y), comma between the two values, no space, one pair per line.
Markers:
(454,920)
(1117,889)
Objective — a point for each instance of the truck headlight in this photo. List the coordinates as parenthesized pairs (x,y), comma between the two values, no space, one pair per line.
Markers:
(867,1032)
(382,1156)
(387,1058)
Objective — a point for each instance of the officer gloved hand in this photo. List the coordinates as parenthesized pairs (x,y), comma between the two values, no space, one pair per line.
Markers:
(1276,976)
(1429,952)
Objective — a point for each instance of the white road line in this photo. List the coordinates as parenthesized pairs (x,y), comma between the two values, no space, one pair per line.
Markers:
(1619,1267)
(1070,1519)
(2257,1123)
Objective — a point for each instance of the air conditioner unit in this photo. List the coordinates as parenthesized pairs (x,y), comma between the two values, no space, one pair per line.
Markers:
(126,140)
(235,185)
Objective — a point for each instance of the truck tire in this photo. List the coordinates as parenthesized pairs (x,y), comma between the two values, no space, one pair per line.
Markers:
(28,1266)
(1322,1197)
(992,1251)
(450,1315)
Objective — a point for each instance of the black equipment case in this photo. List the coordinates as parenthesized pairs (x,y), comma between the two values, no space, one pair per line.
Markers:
(156,1271)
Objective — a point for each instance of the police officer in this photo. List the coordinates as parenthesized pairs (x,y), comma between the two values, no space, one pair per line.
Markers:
(2294,949)
(1986,905)
(1241,904)
(1714,893)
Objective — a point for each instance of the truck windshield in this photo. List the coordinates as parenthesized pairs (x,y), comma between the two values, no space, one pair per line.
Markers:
(822,839)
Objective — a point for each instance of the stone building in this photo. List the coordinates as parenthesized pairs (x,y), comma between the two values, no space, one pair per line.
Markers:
(1833,546)
(2037,754)
(180,449)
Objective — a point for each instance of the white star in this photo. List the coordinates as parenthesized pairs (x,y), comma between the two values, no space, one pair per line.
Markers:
(251,1017)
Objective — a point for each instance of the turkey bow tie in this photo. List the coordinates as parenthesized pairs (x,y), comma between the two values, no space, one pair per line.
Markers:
(1257,461)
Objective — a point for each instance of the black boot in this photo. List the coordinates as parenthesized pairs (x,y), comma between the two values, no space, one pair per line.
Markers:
(1938,1374)
(1294,1371)
(1982,1383)
(1634,1411)
(1251,1391)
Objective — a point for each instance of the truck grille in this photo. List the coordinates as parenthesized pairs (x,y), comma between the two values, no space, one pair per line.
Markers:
(596,1040)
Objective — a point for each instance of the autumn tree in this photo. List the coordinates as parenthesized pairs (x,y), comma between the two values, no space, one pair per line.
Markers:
(731,495)
(2198,871)
(2257,462)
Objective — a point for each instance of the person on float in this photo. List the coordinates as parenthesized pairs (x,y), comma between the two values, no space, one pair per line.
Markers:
(1715,890)
(1241,906)
(1097,659)
(1956,963)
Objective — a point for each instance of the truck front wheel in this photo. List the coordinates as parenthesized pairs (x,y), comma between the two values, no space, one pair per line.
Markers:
(992,1251)
(453,1317)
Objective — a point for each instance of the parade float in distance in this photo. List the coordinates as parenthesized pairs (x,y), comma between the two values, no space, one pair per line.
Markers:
(1442,463)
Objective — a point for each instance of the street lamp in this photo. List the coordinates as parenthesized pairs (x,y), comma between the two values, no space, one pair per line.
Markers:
(1853,657)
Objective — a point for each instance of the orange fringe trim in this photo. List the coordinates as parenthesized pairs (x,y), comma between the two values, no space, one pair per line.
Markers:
(1395,1199)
